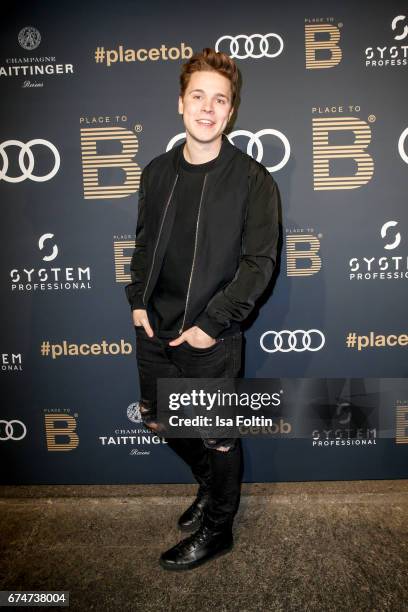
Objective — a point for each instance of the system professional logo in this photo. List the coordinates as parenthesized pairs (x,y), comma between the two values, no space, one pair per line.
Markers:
(11,362)
(322,37)
(49,278)
(28,65)
(344,436)
(343,413)
(121,54)
(123,245)
(254,140)
(298,341)
(132,438)
(13,429)
(397,238)
(103,167)
(60,430)
(302,252)
(385,55)
(244,46)
(26,154)
(329,157)
(392,265)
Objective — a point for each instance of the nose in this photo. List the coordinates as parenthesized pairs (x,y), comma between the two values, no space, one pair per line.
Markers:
(208,106)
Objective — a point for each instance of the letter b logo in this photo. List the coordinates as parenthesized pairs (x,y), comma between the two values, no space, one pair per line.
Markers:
(93,163)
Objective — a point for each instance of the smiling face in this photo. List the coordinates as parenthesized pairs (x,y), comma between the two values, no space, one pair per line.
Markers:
(206,106)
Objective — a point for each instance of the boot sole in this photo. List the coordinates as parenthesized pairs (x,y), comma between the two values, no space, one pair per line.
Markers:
(193,564)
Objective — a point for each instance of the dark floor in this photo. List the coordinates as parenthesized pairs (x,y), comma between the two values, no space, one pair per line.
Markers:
(298,547)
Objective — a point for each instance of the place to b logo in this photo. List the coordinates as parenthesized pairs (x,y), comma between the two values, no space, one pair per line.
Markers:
(95,161)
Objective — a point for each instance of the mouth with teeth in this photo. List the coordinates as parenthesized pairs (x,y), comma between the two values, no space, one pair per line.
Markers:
(207,123)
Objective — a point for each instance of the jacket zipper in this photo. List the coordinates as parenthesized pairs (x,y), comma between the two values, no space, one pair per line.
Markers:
(194,256)
(158,238)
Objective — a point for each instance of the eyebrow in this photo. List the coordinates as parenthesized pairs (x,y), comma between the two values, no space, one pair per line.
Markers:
(202,91)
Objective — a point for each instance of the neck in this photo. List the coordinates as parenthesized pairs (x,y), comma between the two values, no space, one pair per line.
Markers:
(201,152)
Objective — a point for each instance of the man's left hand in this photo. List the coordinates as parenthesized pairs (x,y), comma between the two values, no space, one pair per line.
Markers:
(196,337)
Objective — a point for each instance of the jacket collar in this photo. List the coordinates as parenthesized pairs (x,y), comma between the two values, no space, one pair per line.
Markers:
(227,152)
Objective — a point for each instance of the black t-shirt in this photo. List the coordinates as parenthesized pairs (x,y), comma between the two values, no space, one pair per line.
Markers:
(168,300)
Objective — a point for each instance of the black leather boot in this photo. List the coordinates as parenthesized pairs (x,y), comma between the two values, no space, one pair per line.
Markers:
(194,453)
(207,543)
(191,519)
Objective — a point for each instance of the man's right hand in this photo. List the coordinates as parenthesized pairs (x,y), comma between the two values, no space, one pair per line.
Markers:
(140,319)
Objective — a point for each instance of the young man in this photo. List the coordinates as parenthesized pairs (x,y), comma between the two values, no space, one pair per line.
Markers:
(205,250)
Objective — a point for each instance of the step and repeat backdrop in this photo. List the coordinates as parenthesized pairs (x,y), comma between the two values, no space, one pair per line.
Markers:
(89,96)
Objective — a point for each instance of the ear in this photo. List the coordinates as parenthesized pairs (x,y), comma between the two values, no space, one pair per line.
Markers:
(231,113)
(180,105)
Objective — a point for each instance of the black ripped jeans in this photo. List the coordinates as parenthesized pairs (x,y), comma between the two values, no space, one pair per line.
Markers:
(218,473)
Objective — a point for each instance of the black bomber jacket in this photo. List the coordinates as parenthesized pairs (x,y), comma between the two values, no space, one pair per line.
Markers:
(236,238)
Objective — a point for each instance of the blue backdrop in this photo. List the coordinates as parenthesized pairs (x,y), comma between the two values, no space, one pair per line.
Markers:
(89,97)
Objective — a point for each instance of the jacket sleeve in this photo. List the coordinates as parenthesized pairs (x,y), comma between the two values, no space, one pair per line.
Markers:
(258,258)
(135,289)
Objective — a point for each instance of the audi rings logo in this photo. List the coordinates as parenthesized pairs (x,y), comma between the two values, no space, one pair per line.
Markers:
(27,170)
(254,139)
(254,46)
(12,430)
(298,340)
